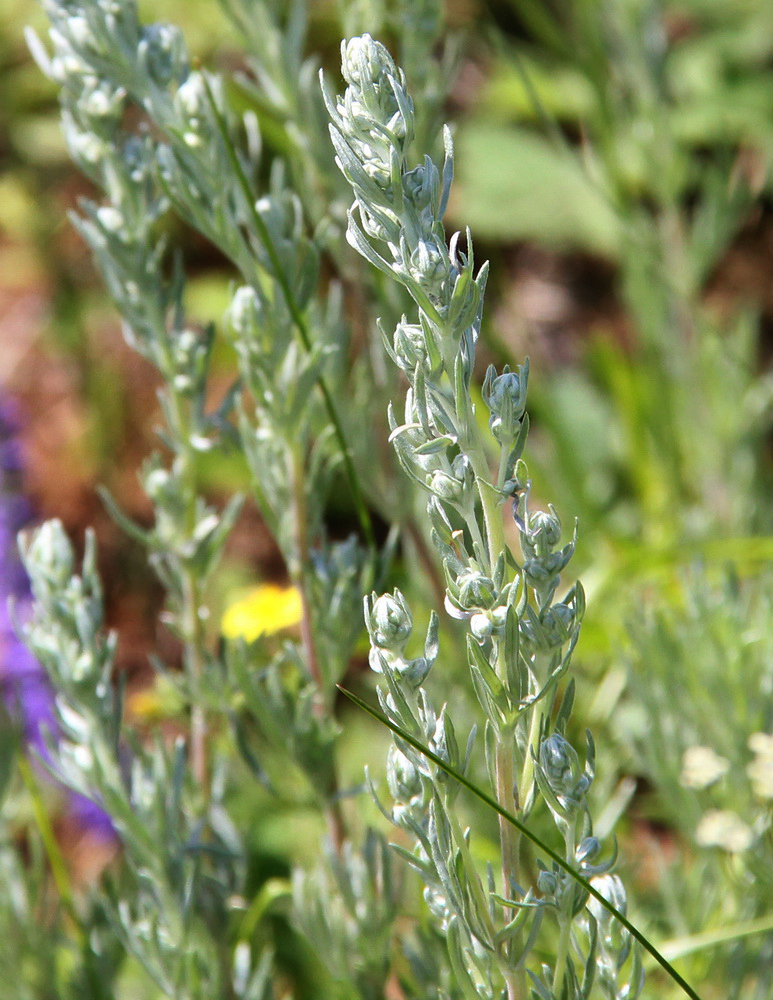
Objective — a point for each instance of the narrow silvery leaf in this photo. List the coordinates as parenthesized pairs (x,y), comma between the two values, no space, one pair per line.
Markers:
(448,172)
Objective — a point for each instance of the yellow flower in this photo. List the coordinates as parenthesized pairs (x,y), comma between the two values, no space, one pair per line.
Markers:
(263,610)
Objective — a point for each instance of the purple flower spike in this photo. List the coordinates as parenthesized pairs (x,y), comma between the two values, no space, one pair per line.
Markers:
(24,685)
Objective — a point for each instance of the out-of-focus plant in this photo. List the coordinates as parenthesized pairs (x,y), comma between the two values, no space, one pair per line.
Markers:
(640,134)
(24,684)
(697,724)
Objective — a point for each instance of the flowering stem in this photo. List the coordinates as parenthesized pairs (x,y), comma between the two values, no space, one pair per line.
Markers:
(508,839)
(504,772)
(545,848)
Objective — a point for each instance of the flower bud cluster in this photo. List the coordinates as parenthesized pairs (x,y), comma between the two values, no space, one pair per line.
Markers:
(421,792)
(543,561)
(550,629)
(470,592)
(375,108)
(176,542)
(519,643)
(65,635)
(92,105)
(559,889)
(413,349)
(563,780)
(399,208)
(505,396)
(425,446)
(389,623)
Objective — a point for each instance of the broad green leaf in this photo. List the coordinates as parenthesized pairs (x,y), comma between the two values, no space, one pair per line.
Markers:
(514,185)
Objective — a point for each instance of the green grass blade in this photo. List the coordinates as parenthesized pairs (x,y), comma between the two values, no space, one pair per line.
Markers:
(692,943)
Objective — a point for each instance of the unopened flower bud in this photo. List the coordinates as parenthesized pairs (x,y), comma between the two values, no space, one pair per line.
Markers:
(558,759)
(556,624)
(561,768)
(403,776)
(420,184)
(476,590)
(544,528)
(547,883)
(389,621)
(364,61)
(428,266)
(413,673)
(445,486)
(481,626)
(505,396)
(409,346)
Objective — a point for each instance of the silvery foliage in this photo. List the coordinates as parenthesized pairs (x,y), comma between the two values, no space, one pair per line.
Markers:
(179,155)
(182,859)
(519,638)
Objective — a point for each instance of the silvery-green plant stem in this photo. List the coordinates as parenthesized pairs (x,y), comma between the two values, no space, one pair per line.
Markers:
(468,437)
(507,791)
(519,642)
(506,787)
(527,773)
(192,600)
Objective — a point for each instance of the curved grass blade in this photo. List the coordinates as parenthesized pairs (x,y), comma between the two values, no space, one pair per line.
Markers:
(678,947)
(493,804)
